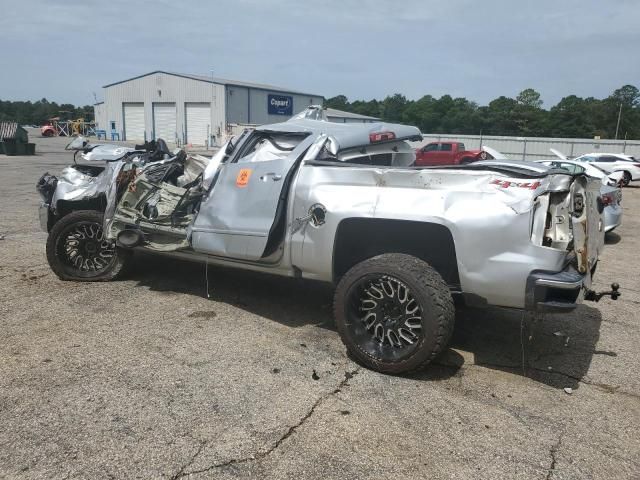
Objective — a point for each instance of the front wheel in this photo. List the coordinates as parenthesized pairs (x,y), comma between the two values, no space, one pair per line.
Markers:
(394,313)
(78,251)
(626,179)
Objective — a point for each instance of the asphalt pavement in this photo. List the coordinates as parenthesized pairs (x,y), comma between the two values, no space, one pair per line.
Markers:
(150,377)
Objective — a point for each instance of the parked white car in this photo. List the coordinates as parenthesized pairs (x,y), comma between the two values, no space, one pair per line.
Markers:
(612,179)
(614,162)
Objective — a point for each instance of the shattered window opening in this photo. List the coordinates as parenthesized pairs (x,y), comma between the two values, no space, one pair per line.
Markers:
(269,147)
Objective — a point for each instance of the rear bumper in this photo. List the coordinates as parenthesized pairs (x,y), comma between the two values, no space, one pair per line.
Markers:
(556,291)
(612,217)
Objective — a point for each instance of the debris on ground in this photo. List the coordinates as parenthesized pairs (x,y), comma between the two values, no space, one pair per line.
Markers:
(568,390)
(315,376)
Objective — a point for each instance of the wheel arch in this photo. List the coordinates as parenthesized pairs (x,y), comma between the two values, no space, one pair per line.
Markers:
(358,239)
(65,207)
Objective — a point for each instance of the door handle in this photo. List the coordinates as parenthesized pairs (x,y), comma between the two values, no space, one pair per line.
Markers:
(274,176)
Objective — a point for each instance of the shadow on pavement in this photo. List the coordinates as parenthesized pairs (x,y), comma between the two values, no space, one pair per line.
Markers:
(555,349)
(289,301)
(611,238)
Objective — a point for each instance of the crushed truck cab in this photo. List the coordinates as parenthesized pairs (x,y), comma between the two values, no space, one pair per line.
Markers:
(344,204)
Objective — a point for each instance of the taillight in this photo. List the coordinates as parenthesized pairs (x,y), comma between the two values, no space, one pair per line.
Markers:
(381,137)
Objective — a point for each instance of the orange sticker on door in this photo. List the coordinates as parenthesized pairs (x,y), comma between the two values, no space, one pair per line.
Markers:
(243,177)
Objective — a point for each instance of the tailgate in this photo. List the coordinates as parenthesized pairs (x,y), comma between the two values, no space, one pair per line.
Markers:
(587,222)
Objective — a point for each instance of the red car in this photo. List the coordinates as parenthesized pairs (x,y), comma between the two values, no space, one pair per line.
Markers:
(448,153)
(47,130)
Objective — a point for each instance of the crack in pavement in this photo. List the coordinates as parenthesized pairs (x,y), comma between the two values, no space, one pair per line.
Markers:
(190,461)
(262,454)
(553,454)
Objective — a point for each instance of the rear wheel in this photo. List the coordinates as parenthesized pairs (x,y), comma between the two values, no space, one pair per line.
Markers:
(626,179)
(394,313)
(466,160)
(77,249)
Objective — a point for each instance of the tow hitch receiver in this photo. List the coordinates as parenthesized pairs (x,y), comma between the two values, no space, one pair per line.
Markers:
(596,296)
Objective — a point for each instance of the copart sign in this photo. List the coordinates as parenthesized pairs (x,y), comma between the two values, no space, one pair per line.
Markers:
(280,104)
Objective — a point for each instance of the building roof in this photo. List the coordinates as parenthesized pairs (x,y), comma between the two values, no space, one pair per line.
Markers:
(332,112)
(220,81)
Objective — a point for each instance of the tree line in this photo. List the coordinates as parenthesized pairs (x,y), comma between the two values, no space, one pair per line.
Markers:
(524,115)
(39,112)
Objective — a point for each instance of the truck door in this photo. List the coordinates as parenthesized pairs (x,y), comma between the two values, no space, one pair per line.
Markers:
(238,213)
(428,155)
(445,155)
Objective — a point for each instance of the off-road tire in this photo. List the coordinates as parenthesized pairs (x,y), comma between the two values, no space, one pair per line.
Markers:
(429,290)
(114,268)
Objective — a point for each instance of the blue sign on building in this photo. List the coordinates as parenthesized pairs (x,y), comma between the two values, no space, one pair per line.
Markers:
(280,104)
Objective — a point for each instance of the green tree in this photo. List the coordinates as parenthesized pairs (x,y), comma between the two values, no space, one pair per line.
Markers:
(339,102)
(393,107)
(624,102)
(529,98)
(499,117)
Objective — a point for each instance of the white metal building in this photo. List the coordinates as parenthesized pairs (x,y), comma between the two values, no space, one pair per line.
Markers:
(192,109)
(339,116)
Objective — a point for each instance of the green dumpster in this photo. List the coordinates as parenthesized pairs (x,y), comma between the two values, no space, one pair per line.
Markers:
(14,140)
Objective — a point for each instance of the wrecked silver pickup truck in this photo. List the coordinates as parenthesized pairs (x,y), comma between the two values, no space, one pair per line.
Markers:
(342,203)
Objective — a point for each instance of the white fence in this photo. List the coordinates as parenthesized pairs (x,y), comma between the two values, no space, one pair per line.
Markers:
(532,148)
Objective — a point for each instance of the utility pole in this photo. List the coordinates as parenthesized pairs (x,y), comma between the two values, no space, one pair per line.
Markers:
(618,124)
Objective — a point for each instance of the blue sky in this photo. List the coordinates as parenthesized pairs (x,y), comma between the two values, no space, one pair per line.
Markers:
(66,51)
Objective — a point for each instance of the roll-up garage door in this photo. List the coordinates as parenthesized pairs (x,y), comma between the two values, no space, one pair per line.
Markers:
(164,121)
(198,122)
(133,121)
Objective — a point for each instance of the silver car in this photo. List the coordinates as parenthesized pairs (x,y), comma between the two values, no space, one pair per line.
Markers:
(342,203)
